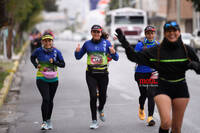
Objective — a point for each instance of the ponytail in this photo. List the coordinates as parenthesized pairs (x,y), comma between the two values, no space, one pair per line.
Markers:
(104,35)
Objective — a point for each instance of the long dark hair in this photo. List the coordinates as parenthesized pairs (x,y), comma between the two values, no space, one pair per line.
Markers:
(104,35)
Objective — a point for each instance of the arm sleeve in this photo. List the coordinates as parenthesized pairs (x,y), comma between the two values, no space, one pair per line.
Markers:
(142,57)
(115,56)
(192,55)
(194,59)
(33,59)
(79,55)
(138,47)
(60,60)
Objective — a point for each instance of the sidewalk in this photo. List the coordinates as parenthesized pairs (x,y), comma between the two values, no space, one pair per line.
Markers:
(10,92)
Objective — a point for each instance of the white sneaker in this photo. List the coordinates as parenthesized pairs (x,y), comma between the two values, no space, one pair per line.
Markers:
(101,116)
(49,125)
(44,126)
(94,124)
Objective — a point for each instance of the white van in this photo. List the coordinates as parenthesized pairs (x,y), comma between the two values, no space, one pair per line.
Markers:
(132,22)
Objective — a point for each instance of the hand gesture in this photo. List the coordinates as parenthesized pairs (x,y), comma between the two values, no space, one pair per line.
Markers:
(78,48)
(51,60)
(121,38)
(112,50)
(120,35)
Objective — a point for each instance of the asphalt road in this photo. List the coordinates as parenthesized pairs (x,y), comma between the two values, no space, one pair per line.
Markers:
(71,112)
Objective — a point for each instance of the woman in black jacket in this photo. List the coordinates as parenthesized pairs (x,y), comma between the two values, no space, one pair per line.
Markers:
(171,59)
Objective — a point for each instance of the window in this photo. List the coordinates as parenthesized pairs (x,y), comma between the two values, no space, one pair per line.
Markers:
(129,19)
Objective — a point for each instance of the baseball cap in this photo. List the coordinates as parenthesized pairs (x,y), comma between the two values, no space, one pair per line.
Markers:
(171,24)
(96,27)
(150,28)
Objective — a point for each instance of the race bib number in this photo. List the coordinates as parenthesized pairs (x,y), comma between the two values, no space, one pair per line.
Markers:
(96,59)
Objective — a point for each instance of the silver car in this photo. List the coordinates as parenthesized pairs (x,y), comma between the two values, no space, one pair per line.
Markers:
(195,41)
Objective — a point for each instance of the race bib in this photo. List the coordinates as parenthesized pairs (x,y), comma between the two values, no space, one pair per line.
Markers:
(96,59)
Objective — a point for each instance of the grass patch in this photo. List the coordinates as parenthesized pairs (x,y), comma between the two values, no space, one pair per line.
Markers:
(2,77)
(4,68)
(17,50)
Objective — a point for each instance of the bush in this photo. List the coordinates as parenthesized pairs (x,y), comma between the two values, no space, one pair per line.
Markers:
(5,67)
(2,77)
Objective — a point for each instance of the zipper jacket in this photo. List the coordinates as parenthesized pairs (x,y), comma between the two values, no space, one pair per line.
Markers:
(97,55)
(140,47)
(43,57)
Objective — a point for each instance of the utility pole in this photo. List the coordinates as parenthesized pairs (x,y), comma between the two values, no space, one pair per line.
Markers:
(198,19)
(178,12)
(141,2)
(194,19)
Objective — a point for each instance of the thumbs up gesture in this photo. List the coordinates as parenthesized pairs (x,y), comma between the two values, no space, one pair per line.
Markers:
(78,48)
(112,50)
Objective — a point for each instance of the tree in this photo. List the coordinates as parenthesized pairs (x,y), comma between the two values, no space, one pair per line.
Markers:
(21,14)
(17,12)
(196,4)
(50,5)
(3,14)
(114,4)
(31,19)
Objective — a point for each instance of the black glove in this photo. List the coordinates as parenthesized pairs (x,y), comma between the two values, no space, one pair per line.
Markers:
(195,66)
(122,38)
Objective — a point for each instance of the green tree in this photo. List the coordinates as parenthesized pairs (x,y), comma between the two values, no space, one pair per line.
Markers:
(196,4)
(114,4)
(31,19)
(21,14)
(17,12)
(50,5)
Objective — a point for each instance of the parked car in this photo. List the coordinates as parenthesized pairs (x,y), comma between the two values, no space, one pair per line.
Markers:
(186,37)
(195,41)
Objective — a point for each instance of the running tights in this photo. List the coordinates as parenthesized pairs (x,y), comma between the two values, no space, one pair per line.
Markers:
(94,82)
(47,91)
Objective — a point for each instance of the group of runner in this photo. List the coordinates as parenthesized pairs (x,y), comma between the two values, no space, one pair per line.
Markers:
(170,59)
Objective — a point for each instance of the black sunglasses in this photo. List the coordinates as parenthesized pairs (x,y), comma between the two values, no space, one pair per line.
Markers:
(95,31)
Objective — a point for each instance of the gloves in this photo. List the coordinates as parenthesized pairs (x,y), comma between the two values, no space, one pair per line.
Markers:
(195,66)
(122,38)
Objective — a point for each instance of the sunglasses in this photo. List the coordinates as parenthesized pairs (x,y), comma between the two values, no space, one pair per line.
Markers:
(95,31)
(171,24)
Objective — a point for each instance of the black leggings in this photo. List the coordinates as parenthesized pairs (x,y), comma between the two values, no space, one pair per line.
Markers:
(94,81)
(47,91)
(145,92)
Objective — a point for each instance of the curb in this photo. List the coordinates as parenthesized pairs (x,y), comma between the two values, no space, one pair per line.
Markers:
(8,80)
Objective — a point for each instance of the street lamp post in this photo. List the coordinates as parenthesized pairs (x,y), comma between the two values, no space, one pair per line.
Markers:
(120,3)
(178,11)
(141,2)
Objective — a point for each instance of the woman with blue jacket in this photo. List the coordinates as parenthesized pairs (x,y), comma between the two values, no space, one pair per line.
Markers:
(97,50)
(143,73)
(46,59)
